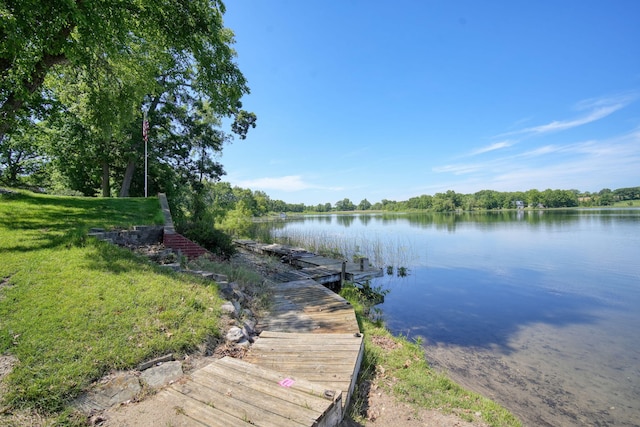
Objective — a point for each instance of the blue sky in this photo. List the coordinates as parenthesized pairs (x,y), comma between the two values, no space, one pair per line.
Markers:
(390,100)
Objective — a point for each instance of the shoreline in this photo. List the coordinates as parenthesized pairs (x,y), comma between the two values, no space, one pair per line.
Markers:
(380,406)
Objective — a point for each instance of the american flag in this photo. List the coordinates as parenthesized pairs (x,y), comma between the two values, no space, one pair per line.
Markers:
(145,128)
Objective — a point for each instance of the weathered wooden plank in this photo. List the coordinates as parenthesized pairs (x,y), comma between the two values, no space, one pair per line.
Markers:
(329,347)
(308,306)
(300,384)
(308,343)
(298,336)
(316,357)
(245,403)
(191,412)
(333,414)
(315,403)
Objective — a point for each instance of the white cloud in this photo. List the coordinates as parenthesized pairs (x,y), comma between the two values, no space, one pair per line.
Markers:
(493,147)
(598,108)
(290,183)
(460,169)
(586,165)
(541,151)
(597,114)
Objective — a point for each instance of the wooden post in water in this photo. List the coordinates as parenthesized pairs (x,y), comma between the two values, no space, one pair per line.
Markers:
(343,273)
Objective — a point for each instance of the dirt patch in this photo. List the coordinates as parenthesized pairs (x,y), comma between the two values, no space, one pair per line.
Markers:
(6,365)
(381,409)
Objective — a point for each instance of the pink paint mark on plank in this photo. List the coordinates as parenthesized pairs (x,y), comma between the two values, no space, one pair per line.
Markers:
(287,382)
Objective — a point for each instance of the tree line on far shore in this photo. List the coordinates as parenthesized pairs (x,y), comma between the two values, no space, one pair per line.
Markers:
(223,201)
(491,200)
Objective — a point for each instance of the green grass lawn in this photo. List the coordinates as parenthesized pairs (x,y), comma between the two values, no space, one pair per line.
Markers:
(73,309)
(627,204)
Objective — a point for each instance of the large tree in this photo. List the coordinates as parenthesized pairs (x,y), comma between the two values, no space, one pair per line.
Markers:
(170,57)
(35,36)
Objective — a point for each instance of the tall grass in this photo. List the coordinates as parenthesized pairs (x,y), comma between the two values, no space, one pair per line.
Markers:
(380,251)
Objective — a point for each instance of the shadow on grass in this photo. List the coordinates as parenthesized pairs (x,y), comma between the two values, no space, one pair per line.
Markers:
(46,222)
(38,212)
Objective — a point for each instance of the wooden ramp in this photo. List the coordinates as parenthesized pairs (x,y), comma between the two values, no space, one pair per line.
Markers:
(301,371)
(231,392)
(307,306)
(329,359)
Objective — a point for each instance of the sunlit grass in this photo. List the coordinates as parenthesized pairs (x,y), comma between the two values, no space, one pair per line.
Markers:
(73,309)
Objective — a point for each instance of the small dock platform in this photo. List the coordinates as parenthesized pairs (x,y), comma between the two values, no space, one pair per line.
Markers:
(308,307)
(328,271)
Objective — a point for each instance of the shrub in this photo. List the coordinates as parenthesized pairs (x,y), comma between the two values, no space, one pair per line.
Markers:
(214,240)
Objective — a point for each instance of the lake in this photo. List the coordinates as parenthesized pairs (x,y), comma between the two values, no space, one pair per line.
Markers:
(538,310)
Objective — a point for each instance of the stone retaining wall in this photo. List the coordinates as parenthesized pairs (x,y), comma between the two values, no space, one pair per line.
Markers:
(139,236)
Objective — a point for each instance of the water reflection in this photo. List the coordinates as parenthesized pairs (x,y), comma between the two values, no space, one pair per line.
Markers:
(473,308)
(551,296)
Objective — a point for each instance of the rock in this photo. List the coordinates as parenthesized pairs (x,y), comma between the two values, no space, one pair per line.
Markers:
(226,290)
(175,266)
(250,327)
(239,296)
(117,389)
(162,374)
(157,360)
(244,343)
(220,277)
(235,335)
(229,308)
(246,313)
(248,331)
(237,306)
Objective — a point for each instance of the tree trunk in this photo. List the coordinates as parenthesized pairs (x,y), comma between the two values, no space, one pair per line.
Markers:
(106,189)
(128,177)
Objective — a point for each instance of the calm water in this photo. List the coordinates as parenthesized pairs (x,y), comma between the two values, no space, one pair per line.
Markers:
(537,310)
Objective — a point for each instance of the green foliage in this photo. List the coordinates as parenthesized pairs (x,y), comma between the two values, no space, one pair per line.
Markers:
(236,272)
(345,205)
(238,220)
(73,309)
(364,205)
(212,239)
(86,71)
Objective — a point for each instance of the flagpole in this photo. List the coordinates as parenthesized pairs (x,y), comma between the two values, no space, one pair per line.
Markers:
(145,134)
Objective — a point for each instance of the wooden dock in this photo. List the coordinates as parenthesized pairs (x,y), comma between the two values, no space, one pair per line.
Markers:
(328,271)
(232,392)
(301,371)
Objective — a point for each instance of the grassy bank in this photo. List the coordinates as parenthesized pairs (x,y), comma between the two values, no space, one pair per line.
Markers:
(401,367)
(73,309)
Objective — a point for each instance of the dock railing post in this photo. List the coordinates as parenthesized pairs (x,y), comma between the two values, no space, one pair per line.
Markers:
(343,273)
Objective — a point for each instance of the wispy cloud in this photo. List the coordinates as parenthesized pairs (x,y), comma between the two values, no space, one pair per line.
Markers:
(493,147)
(557,125)
(290,183)
(596,109)
(461,169)
(586,165)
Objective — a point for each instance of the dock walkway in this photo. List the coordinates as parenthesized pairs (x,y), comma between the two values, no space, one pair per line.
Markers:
(323,270)
(301,371)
